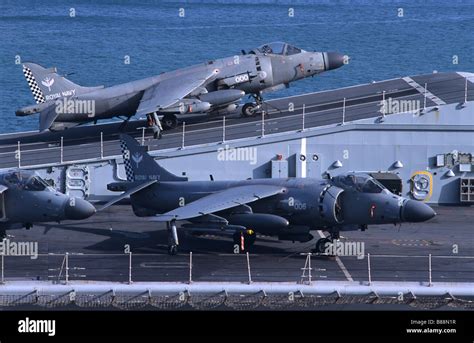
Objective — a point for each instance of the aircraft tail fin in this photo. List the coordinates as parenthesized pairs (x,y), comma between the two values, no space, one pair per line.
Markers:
(47,84)
(140,166)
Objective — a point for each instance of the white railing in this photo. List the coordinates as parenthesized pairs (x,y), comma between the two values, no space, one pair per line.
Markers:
(69,285)
(264,129)
(62,271)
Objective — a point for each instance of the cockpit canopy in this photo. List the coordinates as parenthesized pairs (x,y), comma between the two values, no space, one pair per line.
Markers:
(23,180)
(358,182)
(277,48)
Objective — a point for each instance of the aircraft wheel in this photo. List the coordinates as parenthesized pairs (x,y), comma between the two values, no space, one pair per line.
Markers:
(249,109)
(320,245)
(169,121)
(173,250)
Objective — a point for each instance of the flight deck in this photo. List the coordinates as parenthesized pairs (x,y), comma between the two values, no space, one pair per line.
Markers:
(426,150)
(440,250)
(282,116)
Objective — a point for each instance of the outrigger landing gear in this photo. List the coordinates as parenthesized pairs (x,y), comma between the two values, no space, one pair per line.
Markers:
(155,124)
(321,244)
(172,238)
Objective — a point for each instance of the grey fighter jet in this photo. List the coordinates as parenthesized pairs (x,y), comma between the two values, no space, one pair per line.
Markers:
(286,208)
(26,199)
(213,87)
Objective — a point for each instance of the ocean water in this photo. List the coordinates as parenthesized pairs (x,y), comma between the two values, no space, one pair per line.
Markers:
(92,45)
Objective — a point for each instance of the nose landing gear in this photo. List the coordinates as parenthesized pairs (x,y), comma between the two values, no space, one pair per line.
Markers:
(322,244)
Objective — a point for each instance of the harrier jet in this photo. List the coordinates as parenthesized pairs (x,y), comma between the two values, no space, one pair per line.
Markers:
(213,87)
(286,208)
(26,199)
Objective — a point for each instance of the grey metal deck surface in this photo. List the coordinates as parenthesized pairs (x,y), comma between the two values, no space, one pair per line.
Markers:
(322,108)
(96,252)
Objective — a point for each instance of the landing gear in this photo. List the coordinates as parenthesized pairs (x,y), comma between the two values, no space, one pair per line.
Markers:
(155,124)
(250,109)
(243,240)
(169,121)
(172,238)
(322,244)
(320,247)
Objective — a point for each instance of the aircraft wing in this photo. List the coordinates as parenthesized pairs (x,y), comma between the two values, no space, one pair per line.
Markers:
(167,92)
(220,201)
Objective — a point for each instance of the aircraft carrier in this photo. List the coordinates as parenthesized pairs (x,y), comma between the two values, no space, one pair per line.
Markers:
(429,147)
(424,152)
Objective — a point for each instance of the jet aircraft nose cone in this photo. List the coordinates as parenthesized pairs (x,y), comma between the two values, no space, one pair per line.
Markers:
(334,60)
(415,211)
(79,209)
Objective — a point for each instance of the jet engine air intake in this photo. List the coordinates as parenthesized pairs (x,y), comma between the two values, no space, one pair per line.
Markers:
(330,205)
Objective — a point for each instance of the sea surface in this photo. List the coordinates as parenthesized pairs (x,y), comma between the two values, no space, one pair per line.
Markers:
(92,45)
